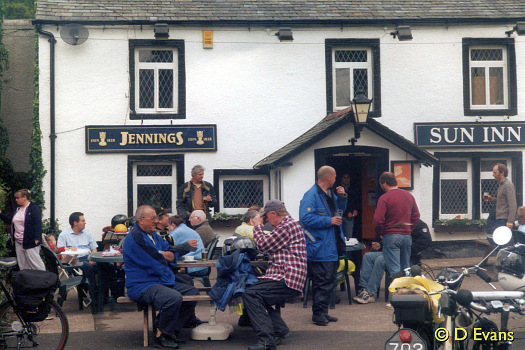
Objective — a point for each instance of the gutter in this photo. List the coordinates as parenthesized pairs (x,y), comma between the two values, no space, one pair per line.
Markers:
(52,135)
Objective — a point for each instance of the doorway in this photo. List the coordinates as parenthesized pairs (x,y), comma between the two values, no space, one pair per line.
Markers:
(364,165)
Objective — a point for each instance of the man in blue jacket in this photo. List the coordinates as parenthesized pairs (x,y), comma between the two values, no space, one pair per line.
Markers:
(149,279)
(320,213)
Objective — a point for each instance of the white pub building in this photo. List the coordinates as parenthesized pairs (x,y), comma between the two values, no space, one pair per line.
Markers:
(133,94)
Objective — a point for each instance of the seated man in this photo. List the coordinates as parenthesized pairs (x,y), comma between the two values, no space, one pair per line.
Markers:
(201,225)
(284,278)
(149,279)
(180,233)
(373,266)
(246,228)
(78,237)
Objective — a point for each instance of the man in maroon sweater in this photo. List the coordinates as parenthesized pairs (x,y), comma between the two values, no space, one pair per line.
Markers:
(395,215)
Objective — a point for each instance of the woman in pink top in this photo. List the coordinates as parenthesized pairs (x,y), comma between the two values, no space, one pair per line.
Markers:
(26,231)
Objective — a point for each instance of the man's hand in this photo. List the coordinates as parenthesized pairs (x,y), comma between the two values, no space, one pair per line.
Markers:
(337,220)
(73,249)
(193,243)
(207,198)
(169,256)
(340,190)
(376,246)
(257,221)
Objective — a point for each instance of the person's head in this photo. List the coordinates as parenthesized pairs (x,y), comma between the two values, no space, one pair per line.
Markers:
(500,172)
(326,177)
(77,221)
(197,217)
(274,212)
(197,173)
(174,222)
(520,216)
(146,218)
(345,179)
(249,216)
(389,179)
(164,217)
(22,196)
(50,239)
(256,207)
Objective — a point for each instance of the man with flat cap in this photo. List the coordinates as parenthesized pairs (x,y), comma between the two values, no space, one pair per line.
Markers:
(284,277)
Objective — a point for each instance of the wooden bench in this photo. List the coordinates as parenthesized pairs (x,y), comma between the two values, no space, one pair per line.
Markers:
(145,310)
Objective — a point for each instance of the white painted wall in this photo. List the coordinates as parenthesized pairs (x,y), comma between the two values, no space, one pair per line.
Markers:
(260,92)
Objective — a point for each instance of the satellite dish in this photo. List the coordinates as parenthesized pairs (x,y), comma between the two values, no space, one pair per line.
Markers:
(74,34)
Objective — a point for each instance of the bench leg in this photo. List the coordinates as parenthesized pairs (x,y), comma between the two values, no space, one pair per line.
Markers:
(146,325)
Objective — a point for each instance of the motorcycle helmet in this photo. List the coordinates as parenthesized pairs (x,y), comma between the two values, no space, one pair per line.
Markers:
(511,269)
(246,245)
(119,219)
(447,275)
(227,246)
(120,228)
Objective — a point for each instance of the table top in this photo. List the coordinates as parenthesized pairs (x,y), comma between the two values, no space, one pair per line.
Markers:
(97,257)
(352,248)
(75,252)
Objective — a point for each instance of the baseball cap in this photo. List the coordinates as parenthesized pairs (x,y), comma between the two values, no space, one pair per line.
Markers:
(273,205)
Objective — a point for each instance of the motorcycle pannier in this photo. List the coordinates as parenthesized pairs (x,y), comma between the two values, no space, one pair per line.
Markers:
(33,290)
(410,308)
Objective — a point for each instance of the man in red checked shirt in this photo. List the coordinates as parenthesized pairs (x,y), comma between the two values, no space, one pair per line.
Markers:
(284,278)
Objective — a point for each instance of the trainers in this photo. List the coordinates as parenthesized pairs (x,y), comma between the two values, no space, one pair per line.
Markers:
(389,306)
(360,294)
(365,298)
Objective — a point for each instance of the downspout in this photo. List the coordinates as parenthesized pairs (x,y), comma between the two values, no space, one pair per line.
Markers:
(52,135)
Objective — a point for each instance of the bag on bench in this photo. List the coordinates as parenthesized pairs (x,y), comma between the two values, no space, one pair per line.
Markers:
(33,290)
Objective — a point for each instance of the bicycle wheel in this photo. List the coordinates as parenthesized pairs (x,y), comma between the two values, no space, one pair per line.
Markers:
(52,333)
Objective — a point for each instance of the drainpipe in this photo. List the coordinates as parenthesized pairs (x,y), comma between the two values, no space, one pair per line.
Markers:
(52,135)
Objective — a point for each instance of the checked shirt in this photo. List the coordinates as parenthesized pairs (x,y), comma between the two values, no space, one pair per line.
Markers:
(287,247)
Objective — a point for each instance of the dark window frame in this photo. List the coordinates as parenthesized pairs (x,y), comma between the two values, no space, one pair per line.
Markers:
(217,173)
(179,45)
(330,44)
(511,77)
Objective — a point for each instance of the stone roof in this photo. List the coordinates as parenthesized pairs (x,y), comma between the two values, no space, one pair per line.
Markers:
(331,123)
(278,11)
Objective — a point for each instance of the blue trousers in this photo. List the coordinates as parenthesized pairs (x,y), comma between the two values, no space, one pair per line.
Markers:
(396,250)
(372,271)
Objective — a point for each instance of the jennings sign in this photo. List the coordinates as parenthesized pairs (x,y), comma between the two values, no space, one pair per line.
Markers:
(161,138)
(470,134)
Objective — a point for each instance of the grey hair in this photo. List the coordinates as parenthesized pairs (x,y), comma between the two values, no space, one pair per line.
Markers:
(196,169)
(250,214)
(200,214)
(142,210)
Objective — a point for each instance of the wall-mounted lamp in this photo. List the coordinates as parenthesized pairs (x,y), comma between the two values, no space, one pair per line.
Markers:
(161,31)
(285,34)
(518,28)
(403,33)
(360,107)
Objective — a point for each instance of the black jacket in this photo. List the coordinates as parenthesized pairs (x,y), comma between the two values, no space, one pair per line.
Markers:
(32,226)
(185,199)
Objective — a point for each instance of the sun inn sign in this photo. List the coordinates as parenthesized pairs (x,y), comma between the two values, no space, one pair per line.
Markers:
(470,134)
(158,138)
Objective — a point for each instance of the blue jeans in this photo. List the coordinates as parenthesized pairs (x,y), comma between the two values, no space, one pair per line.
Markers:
(372,271)
(396,250)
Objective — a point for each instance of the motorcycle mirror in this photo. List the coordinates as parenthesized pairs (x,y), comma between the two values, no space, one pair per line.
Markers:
(502,235)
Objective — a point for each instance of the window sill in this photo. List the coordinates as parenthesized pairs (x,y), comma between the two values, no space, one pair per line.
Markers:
(140,116)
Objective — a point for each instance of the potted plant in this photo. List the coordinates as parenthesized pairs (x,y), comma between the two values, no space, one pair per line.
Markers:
(225,220)
(459,224)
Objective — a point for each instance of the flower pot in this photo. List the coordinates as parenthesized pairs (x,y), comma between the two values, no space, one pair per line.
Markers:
(230,223)
(458,228)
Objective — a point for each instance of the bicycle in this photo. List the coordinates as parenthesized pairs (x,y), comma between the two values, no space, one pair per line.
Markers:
(15,332)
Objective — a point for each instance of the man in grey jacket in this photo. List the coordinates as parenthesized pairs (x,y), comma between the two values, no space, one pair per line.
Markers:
(505,199)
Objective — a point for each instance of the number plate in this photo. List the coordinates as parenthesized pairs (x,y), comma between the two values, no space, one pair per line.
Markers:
(395,343)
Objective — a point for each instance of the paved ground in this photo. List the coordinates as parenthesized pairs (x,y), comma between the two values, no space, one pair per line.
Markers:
(359,326)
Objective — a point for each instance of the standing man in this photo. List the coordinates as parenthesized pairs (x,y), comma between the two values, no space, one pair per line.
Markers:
(149,279)
(284,277)
(506,205)
(78,237)
(351,206)
(324,239)
(196,194)
(395,216)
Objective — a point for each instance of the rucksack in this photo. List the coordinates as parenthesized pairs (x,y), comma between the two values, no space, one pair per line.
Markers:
(32,291)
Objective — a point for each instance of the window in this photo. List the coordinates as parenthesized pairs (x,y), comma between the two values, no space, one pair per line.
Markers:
(464,177)
(157,79)
(352,66)
(239,189)
(489,77)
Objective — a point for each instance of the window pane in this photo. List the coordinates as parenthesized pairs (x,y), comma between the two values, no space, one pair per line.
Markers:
(490,186)
(154,195)
(486,55)
(351,56)
(156,56)
(154,170)
(166,88)
(453,166)
(496,85)
(342,87)
(361,81)
(454,198)
(243,193)
(146,88)
(487,165)
(478,86)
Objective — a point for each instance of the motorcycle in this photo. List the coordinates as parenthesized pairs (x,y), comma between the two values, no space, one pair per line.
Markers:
(420,328)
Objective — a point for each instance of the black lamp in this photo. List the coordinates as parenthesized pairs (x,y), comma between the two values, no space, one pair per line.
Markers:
(518,28)
(360,107)
(403,33)
(285,34)
(161,30)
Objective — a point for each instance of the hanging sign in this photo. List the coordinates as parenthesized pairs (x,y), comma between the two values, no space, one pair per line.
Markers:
(157,138)
(470,134)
